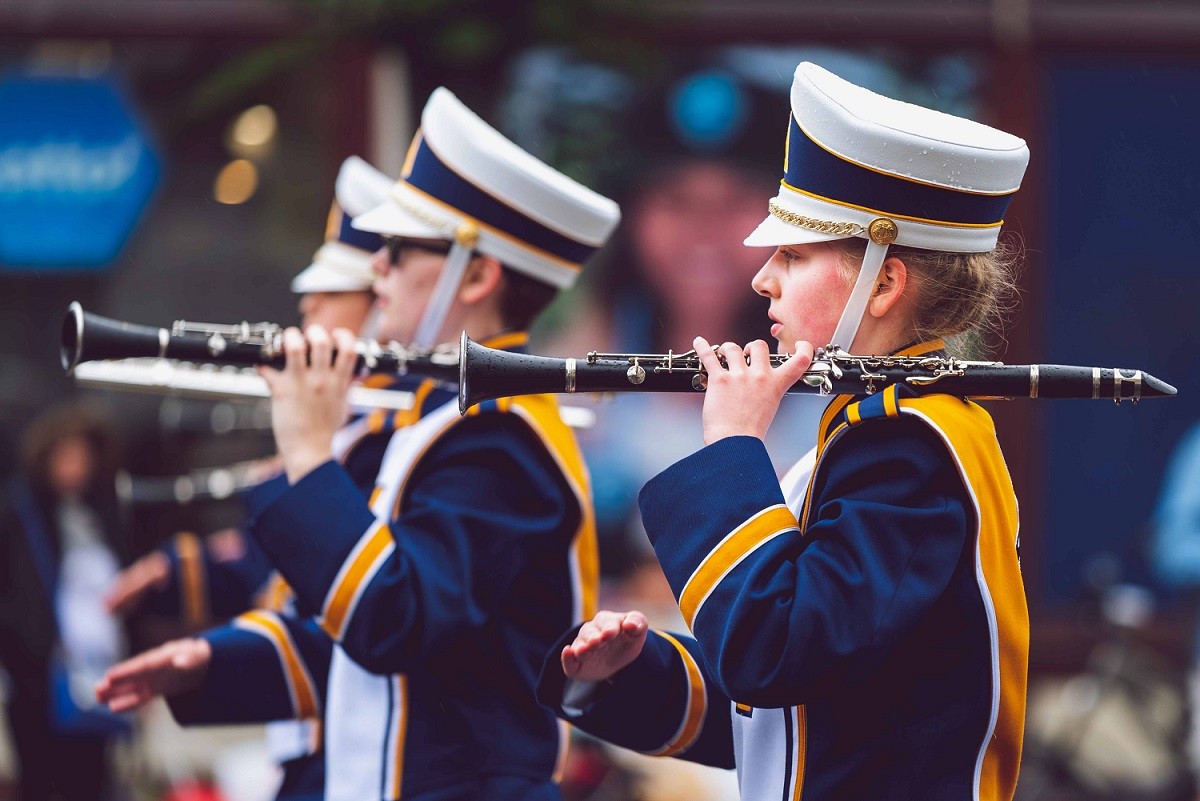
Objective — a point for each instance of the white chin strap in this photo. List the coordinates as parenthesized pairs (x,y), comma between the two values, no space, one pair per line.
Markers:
(442,298)
(856,306)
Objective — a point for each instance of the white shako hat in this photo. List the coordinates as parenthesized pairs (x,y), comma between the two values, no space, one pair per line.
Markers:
(343,263)
(857,164)
(465,183)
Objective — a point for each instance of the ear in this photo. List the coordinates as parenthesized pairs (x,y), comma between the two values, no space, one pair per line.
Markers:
(889,287)
(483,277)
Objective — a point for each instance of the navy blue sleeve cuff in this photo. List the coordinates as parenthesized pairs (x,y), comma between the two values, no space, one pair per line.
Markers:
(165,600)
(638,708)
(244,683)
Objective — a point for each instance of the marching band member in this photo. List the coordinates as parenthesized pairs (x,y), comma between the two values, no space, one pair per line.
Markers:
(477,546)
(215,579)
(195,581)
(861,631)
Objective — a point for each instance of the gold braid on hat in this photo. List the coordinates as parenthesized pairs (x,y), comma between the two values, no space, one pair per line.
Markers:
(466,232)
(820,226)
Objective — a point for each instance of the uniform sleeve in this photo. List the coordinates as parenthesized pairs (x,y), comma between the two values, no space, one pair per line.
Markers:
(774,611)
(264,667)
(1175,551)
(662,704)
(391,592)
(201,587)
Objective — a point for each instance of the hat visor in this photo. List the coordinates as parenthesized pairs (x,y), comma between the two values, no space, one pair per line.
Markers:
(774,232)
(319,278)
(389,219)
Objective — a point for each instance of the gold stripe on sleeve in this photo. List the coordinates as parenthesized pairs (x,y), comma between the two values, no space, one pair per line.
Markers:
(301,688)
(760,528)
(192,589)
(693,711)
(357,570)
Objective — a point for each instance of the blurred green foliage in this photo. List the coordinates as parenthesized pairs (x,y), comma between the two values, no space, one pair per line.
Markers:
(439,36)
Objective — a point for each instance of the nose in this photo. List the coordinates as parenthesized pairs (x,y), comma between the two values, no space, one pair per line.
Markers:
(307,304)
(764,282)
(379,262)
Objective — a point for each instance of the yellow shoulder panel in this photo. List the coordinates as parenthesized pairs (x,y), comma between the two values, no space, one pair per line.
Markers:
(970,434)
(542,414)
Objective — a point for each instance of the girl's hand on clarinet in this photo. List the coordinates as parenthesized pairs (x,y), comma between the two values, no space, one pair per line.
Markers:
(308,396)
(604,645)
(743,395)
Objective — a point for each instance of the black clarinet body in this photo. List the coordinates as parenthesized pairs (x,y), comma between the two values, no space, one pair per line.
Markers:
(89,337)
(486,374)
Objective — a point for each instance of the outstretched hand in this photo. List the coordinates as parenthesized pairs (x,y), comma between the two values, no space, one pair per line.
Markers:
(131,586)
(743,394)
(171,668)
(604,645)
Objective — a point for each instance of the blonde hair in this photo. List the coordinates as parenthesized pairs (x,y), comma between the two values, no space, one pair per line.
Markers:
(961,296)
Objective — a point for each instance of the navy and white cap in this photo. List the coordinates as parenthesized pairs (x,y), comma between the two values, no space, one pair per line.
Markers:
(466,183)
(857,164)
(853,157)
(343,263)
(528,215)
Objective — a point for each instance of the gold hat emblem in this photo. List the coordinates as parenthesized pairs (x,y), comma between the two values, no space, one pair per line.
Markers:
(883,231)
(467,234)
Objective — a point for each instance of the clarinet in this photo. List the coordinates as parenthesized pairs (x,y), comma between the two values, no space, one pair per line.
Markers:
(486,374)
(89,337)
(201,484)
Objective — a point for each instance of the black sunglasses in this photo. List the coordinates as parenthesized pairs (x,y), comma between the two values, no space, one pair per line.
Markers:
(395,244)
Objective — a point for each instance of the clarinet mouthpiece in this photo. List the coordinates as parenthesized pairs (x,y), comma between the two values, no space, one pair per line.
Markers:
(1157,388)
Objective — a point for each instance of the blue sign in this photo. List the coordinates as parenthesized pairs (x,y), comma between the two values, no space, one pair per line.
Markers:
(76,171)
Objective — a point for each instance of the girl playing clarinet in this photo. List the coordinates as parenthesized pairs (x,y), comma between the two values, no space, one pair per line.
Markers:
(860,631)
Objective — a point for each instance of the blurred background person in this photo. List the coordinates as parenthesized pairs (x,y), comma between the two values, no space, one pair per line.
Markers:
(61,545)
(696,156)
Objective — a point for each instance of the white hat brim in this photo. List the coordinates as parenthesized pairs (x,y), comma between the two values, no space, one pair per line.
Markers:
(389,219)
(319,278)
(774,232)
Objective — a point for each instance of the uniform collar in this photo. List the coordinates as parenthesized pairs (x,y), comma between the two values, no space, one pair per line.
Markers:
(428,393)
(835,412)
(516,341)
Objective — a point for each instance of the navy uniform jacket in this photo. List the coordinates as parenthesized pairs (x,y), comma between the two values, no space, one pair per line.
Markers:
(871,644)
(489,554)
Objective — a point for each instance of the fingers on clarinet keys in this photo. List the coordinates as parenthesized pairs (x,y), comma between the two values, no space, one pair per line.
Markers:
(295,347)
(733,357)
(709,361)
